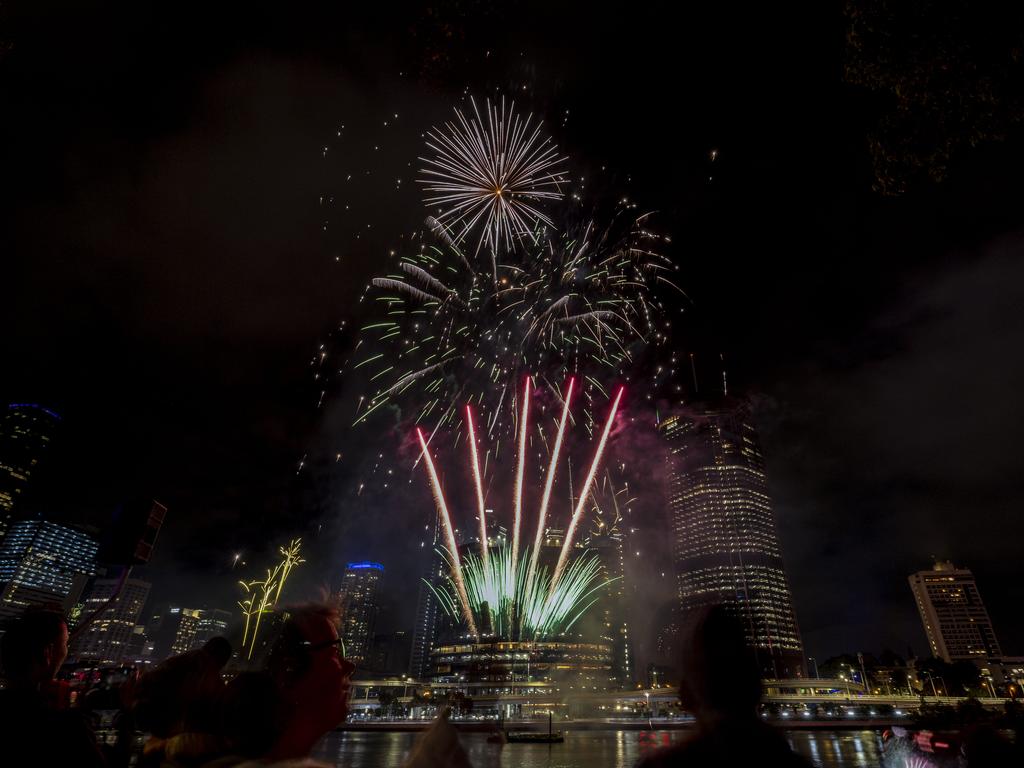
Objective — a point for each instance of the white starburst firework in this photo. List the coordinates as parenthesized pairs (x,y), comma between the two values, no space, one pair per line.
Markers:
(490,176)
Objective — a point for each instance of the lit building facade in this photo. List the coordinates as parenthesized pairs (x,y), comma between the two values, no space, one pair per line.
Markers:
(507,668)
(954,617)
(109,636)
(26,431)
(428,616)
(605,540)
(43,563)
(172,630)
(188,627)
(213,622)
(358,602)
(724,542)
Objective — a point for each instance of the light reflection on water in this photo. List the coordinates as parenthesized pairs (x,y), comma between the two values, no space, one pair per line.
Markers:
(585,749)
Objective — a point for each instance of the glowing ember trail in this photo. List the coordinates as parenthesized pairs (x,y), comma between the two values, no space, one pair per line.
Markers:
(567,544)
(549,482)
(478,481)
(517,521)
(453,550)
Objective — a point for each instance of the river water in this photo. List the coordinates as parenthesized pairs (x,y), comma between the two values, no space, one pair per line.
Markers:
(584,749)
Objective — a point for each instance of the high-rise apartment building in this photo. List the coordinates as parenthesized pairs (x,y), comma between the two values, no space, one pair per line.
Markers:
(358,606)
(954,617)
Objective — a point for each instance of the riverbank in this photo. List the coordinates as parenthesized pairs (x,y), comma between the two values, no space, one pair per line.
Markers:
(489,726)
(607,747)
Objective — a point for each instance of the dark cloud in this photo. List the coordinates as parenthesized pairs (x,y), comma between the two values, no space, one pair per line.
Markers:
(905,451)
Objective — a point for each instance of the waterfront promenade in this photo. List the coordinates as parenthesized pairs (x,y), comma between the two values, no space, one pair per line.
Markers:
(796,703)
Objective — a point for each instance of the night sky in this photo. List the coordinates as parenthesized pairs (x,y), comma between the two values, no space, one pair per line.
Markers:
(168,271)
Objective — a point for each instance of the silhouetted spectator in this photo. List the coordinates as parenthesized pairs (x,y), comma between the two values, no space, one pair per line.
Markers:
(438,746)
(108,705)
(278,715)
(36,727)
(722,688)
(179,705)
(255,712)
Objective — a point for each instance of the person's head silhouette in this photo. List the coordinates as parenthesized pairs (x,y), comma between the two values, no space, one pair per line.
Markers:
(719,670)
(34,647)
(721,687)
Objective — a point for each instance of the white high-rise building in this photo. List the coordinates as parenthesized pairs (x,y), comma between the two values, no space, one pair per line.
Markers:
(955,620)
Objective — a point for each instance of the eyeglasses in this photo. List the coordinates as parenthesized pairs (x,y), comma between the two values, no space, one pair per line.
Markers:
(337,643)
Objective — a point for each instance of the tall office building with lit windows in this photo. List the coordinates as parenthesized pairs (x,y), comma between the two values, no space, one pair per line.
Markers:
(42,563)
(724,543)
(107,637)
(172,630)
(358,605)
(605,540)
(26,430)
(428,617)
(213,622)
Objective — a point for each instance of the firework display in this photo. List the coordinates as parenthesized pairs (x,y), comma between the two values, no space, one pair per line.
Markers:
(491,175)
(444,333)
(507,595)
(449,323)
(262,595)
(498,324)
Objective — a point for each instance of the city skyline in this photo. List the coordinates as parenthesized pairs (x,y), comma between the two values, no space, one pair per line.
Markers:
(952,614)
(697,439)
(171,303)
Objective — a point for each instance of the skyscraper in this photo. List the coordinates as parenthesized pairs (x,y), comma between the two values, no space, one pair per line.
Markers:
(25,434)
(954,617)
(605,540)
(724,543)
(43,563)
(172,630)
(358,604)
(213,622)
(429,614)
(424,634)
(107,638)
(188,628)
